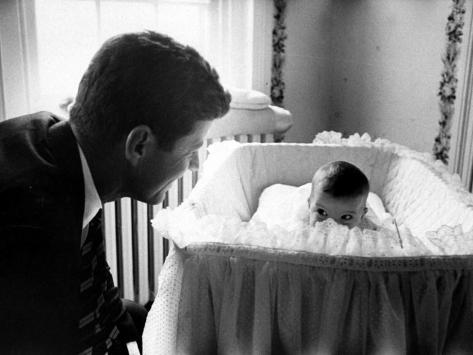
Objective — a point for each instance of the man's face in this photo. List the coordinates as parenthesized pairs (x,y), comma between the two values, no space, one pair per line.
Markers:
(155,173)
(347,211)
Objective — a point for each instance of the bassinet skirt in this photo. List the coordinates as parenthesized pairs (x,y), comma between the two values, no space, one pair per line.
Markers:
(235,300)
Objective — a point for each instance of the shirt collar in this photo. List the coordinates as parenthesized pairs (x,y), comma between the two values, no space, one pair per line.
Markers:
(92,199)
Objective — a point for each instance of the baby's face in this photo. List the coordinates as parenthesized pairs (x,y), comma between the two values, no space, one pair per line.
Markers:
(347,211)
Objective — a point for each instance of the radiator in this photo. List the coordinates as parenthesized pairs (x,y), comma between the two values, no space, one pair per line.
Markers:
(134,253)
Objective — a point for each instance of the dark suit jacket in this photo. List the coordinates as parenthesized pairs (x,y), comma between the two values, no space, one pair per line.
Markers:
(41,211)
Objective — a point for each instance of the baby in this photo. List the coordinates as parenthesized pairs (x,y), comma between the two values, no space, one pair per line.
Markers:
(339,191)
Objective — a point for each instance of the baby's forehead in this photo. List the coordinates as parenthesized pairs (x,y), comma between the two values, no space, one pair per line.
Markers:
(323,179)
(320,175)
(317,194)
(319,180)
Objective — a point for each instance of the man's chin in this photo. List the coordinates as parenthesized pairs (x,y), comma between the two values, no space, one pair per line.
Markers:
(152,198)
(157,198)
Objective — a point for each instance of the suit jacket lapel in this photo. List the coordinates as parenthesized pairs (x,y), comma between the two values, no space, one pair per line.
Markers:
(63,145)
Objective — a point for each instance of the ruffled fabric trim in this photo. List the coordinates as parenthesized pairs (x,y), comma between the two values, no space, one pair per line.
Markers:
(328,237)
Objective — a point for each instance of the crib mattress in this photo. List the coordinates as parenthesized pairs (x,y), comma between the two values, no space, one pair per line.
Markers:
(216,297)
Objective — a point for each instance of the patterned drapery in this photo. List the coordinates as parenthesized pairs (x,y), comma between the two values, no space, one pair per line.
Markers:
(279,50)
(449,81)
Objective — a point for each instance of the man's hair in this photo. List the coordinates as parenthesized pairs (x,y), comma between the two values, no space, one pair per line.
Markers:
(146,78)
(341,179)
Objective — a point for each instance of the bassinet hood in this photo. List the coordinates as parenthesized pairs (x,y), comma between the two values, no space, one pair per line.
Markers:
(432,209)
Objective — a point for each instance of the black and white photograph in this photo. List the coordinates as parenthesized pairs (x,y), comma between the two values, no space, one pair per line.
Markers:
(236,177)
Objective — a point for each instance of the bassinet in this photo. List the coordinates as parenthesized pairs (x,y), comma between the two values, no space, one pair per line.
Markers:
(216,297)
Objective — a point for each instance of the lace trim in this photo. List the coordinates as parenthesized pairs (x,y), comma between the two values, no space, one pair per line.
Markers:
(326,237)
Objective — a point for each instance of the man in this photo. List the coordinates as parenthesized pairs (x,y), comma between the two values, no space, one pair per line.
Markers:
(141,112)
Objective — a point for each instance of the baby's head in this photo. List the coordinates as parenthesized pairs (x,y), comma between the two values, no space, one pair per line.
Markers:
(339,191)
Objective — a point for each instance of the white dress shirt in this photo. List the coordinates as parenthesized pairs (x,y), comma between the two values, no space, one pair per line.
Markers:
(92,203)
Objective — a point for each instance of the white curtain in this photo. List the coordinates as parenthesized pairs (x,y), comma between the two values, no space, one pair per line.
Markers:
(45,45)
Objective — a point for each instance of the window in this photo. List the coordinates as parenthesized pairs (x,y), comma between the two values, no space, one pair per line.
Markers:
(49,43)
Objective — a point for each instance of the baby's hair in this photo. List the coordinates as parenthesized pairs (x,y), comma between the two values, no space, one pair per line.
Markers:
(341,179)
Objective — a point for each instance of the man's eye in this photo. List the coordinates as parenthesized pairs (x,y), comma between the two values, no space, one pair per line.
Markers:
(347,217)
(321,212)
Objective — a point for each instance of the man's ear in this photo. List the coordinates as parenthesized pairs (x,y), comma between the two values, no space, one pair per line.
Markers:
(365,210)
(139,142)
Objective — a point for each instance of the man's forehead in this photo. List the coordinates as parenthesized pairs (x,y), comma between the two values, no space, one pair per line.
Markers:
(185,146)
(198,132)
(192,141)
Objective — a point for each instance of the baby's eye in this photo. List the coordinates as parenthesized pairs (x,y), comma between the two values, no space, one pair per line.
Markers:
(321,212)
(347,217)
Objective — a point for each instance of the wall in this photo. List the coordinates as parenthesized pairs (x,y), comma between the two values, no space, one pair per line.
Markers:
(379,62)
(305,71)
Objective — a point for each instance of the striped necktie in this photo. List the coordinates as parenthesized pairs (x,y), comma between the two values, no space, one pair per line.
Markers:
(100,302)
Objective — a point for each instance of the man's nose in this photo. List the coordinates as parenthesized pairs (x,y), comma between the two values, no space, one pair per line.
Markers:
(194,163)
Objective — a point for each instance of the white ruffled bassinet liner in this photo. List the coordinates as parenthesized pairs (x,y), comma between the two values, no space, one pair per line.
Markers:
(420,193)
(433,211)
